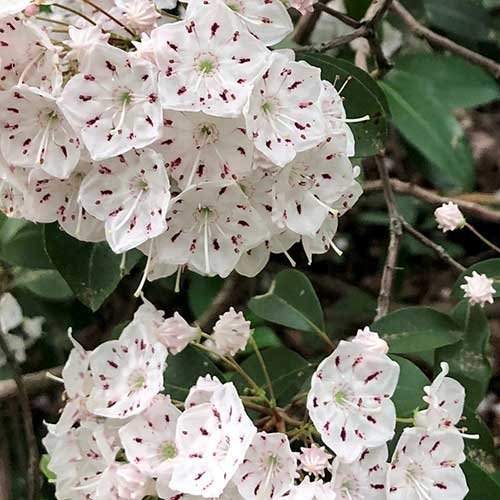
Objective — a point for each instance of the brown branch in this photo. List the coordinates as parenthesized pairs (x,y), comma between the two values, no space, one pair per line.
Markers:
(436,199)
(34,383)
(305,26)
(396,233)
(438,249)
(33,477)
(423,32)
(110,16)
(347,20)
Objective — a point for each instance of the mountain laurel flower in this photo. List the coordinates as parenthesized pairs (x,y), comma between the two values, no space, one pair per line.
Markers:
(363,478)
(371,341)
(113,102)
(314,460)
(479,289)
(425,465)
(202,391)
(445,398)
(269,467)
(231,333)
(130,194)
(127,373)
(83,40)
(14,7)
(349,399)
(449,217)
(11,314)
(212,440)
(176,333)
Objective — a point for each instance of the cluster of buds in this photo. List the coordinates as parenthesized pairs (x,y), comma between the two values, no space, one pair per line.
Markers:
(120,436)
(191,141)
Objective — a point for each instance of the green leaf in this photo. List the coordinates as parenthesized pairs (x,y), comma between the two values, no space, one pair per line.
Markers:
(482,451)
(462,18)
(291,301)
(490,267)
(183,371)
(428,126)
(357,8)
(417,329)
(481,485)
(202,291)
(264,337)
(23,246)
(91,270)
(362,97)
(410,389)
(468,359)
(47,284)
(288,372)
(436,74)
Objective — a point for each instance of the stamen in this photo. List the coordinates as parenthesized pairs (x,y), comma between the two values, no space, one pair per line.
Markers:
(146,270)
(205,238)
(177,288)
(123,264)
(344,85)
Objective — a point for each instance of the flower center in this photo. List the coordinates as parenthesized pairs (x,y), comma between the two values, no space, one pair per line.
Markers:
(137,380)
(267,108)
(126,98)
(206,133)
(206,64)
(168,450)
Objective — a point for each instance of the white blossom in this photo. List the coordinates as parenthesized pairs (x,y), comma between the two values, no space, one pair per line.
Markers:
(449,217)
(479,289)
(314,460)
(231,333)
(176,333)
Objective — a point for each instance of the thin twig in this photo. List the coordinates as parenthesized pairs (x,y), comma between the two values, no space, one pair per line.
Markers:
(423,32)
(74,11)
(265,371)
(33,479)
(396,233)
(438,249)
(347,20)
(34,383)
(110,16)
(305,26)
(436,199)
(485,240)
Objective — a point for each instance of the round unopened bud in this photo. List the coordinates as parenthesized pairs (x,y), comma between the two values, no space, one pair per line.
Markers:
(449,217)
(478,289)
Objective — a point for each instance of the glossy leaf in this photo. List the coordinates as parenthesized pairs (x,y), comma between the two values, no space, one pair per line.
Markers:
(468,359)
(481,485)
(44,283)
(362,97)
(291,301)
(417,329)
(429,127)
(202,291)
(183,371)
(91,270)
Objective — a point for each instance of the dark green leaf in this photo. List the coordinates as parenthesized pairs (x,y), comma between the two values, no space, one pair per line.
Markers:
(24,245)
(481,485)
(291,301)
(463,18)
(490,267)
(429,127)
(482,451)
(417,329)
(362,97)
(437,74)
(202,291)
(183,371)
(410,389)
(357,8)
(91,270)
(288,372)
(47,284)
(468,358)
(264,337)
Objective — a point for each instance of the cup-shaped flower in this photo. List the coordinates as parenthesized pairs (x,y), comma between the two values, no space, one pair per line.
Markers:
(479,289)
(35,133)
(269,467)
(130,193)
(349,399)
(212,441)
(282,115)
(128,373)
(449,217)
(426,465)
(207,62)
(198,147)
(231,333)
(113,102)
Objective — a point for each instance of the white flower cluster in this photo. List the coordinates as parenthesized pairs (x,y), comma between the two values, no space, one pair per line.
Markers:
(198,144)
(19,332)
(120,437)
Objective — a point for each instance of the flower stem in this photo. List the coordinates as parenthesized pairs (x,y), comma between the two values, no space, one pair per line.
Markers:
(408,420)
(110,16)
(74,11)
(265,371)
(482,238)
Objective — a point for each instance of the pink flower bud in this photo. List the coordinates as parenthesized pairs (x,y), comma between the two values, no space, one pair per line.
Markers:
(449,217)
